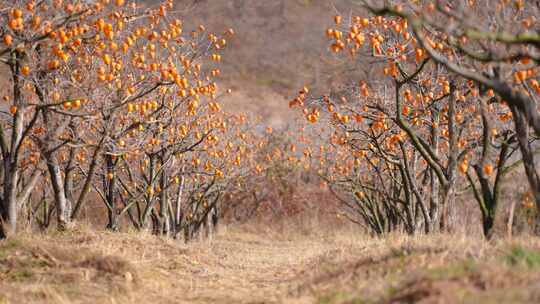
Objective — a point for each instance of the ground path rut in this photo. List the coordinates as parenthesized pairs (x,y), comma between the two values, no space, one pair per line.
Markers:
(240,268)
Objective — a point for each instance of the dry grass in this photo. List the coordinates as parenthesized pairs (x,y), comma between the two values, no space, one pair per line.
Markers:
(263,265)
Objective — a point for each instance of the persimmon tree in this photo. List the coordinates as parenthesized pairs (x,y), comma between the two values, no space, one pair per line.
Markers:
(157,103)
(494,45)
(121,100)
(415,121)
(143,87)
(29,29)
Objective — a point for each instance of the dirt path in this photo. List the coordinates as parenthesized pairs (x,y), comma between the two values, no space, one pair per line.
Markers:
(235,267)
(242,268)
(88,266)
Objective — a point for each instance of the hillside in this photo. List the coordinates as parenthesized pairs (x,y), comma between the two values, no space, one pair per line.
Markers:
(279,47)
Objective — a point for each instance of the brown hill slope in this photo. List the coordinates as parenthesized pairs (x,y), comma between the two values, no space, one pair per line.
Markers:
(279,47)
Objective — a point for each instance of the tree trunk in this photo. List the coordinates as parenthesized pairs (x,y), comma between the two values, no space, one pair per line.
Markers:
(164,205)
(10,208)
(113,221)
(487,225)
(448,216)
(59,192)
(522,130)
(88,181)
(149,197)
(434,208)
(178,207)
(215,218)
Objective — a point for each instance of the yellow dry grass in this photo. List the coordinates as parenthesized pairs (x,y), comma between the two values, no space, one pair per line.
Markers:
(244,264)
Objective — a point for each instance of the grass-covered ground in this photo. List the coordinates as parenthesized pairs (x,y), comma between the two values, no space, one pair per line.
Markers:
(249,265)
